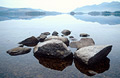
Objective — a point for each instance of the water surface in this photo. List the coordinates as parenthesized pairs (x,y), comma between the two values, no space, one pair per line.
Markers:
(13,31)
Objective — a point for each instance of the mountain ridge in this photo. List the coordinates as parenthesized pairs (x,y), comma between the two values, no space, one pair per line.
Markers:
(105,6)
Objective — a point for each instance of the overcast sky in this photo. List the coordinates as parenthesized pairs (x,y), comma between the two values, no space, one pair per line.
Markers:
(50,5)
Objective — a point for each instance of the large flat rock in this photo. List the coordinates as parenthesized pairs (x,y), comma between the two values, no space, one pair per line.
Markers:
(18,51)
(82,43)
(92,54)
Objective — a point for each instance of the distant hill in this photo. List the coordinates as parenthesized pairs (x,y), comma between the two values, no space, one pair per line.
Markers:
(23,13)
(112,6)
(18,9)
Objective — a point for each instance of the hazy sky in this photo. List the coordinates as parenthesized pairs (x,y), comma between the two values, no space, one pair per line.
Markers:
(50,5)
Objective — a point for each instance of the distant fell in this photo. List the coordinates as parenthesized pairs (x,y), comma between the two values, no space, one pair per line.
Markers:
(112,6)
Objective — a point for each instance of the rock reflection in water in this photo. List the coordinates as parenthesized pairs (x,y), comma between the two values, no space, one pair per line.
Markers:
(92,70)
(54,63)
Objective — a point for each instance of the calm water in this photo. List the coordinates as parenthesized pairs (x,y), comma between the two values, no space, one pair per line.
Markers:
(104,30)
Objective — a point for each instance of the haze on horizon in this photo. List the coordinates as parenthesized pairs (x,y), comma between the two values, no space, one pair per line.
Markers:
(51,5)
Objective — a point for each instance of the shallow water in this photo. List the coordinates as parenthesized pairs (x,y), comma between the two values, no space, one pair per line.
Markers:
(13,31)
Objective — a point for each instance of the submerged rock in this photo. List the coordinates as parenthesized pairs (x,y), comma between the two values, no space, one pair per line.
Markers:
(42,37)
(18,51)
(84,35)
(91,70)
(84,42)
(66,32)
(21,45)
(92,54)
(46,33)
(55,33)
(56,64)
(71,37)
(53,49)
(65,40)
(31,41)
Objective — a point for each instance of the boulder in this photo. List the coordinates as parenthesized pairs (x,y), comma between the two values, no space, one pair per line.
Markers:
(21,45)
(71,37)
(18,51)
(82,43)
(31,41)
(92,54)
(66,32)
(42,37)
(53,49)
(84,35)
(46,33)
(65,40)
(55,33)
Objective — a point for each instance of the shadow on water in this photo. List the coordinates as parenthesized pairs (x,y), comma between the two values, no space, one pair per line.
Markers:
(53,63)
(92,70)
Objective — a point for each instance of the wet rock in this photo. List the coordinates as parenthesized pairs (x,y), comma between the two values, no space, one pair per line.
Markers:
(55,33)
(84,35)
(21,45)
(65,40)
(42,37)
(18,51)
(31,41)
(56,64)
(82,43)
(94,69)
(73,44)
(53,49)
(71,37)
(46,33)
(66,32)
(92,54)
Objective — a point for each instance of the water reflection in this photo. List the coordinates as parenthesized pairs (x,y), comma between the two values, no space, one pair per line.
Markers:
(52,63)
(111,20)
(17,17)
(102,19)
(92,70)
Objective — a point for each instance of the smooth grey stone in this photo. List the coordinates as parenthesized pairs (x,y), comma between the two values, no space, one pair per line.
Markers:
(82,43)
(66,32)
(31,41)
(55,33)
(42,37)
(46,33)
(18,51)
(92,54)
(84,35)
(53,49)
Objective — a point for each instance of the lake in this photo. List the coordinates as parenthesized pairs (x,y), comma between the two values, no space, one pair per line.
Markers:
(103,29)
